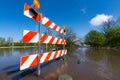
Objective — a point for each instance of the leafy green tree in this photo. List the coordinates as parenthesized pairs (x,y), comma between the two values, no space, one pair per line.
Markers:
(95,39)
(113,36)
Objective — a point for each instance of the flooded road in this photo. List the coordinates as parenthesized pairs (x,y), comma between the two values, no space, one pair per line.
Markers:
(80,64)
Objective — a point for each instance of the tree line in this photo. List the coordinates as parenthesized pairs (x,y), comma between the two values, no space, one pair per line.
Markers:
(107,36)
(5,41)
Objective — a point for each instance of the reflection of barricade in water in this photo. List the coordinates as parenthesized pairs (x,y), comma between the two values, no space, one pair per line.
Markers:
(55,73)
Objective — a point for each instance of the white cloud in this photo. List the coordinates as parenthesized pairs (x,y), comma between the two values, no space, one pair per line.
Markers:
(100,19)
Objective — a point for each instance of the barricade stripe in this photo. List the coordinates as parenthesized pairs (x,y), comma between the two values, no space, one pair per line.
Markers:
(62,42)
(45,20)
(61,52)
(48,23)
(32,37)
(60,30)
(54,28)
(43,58)
(41,55)
(24,59)
(58,54)
(28,62)
(25,32)
(28,36)
(35,62)
(48,39)
(65,52)
(52,25)
(44,37)
(55,54)
(51,41)
(27,7)
(52,55)
(57,40)
(57,29)
(32,60)
(48,56)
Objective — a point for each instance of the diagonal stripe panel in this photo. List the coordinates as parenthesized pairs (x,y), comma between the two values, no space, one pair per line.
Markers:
(45,21)
(31,61)
(32,37)
(52,55)
(55,54)
(48,56)
(24,59)
(35,62)
(28,36)
(44,37)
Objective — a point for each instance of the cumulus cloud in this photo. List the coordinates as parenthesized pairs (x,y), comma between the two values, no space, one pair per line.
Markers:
(100,19)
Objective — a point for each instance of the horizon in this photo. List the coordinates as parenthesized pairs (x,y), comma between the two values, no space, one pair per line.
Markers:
(80,15)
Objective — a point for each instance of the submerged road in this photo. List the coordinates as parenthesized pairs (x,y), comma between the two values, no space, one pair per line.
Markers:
(80,64)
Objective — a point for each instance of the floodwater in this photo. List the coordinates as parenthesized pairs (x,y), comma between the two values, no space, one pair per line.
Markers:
(80,64)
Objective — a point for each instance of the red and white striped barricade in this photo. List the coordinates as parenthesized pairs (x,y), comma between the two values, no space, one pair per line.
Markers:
(32,37)
(45,20)
(32,60)
(28,61)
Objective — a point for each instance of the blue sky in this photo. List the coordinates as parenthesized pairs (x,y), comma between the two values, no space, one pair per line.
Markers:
(76,14)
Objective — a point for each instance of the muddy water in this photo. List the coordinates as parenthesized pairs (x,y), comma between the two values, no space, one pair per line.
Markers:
(94,64)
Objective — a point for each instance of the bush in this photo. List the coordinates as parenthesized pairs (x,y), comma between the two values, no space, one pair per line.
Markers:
(113,37)
(95,39)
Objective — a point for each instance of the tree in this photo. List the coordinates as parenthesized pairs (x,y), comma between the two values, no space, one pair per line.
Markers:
(107,25)
(2,40)
(113,36)
(9,40)
(95,38)
(70,36)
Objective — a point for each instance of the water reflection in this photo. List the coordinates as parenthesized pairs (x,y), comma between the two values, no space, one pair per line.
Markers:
(96,54)
(71,50)
(104,57)
(54,74)
(5,51)
(9,51)
(98,62)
